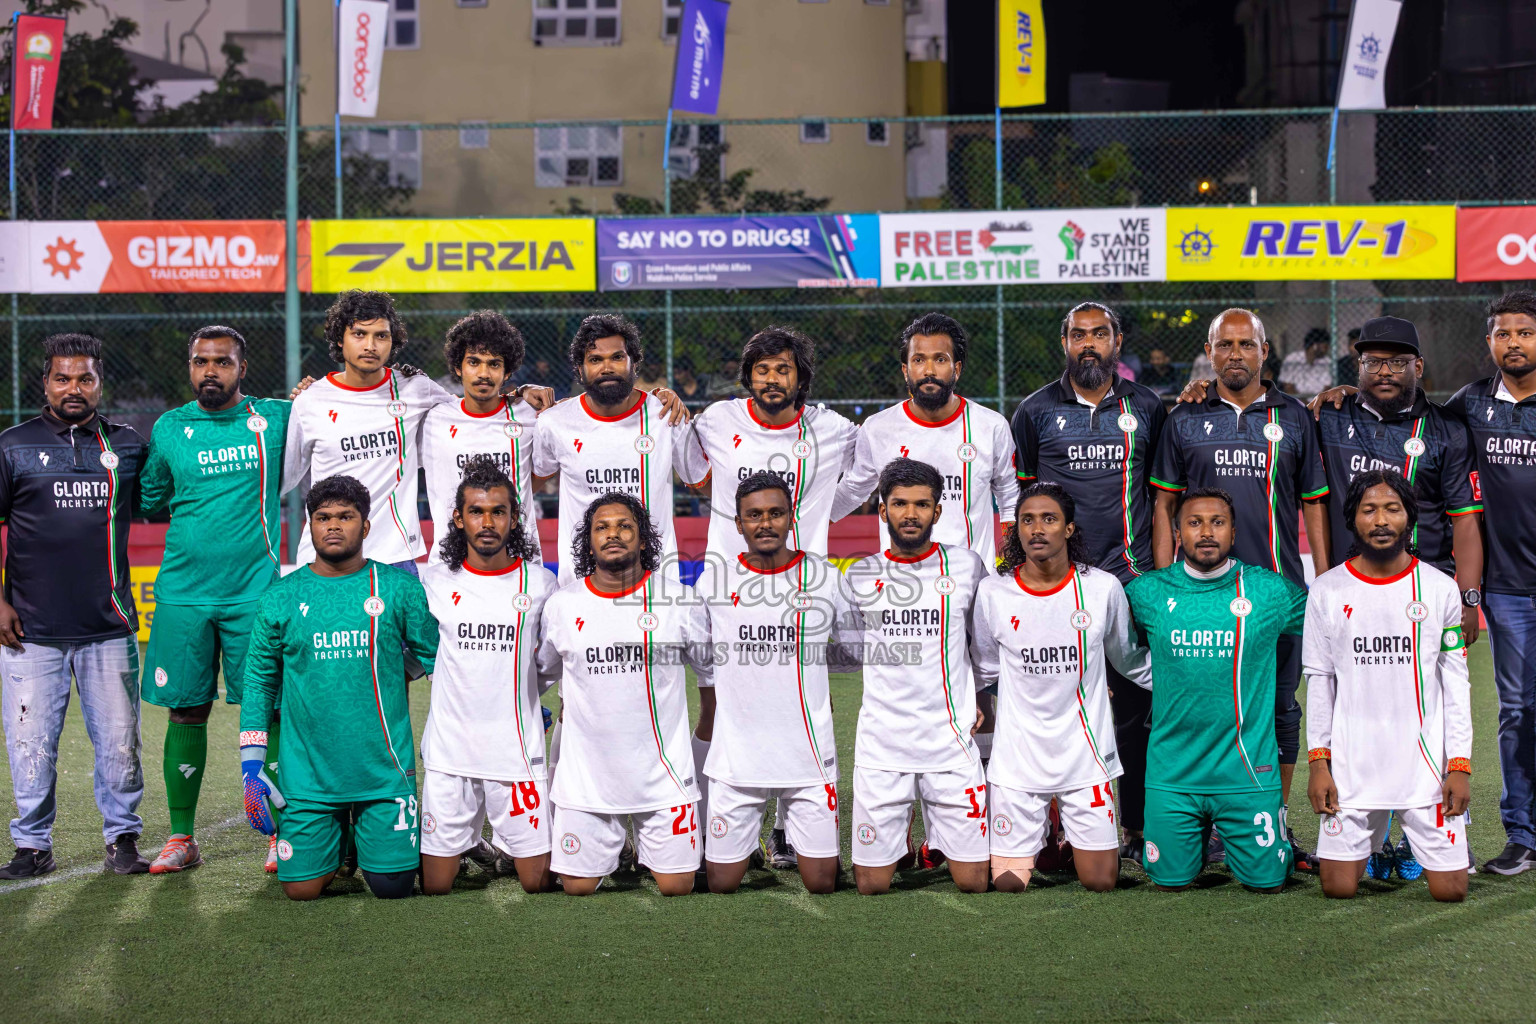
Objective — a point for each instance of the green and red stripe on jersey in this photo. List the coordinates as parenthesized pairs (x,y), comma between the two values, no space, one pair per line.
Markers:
(944,672)
(1082,660)
(1127,489)
(1237,681)
(394,507)
(373,664)
(261,501)
(800,661)
(648,601)
(114,486)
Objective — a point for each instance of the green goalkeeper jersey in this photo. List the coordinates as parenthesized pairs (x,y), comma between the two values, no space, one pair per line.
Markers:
(334,647)
(219,473)
(1213,674)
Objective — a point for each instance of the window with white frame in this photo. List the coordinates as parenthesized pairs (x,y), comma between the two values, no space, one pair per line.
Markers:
(815,131)
(877,133)
(671,18)
(697,151)
(474,3)
(474,135)
(404,25)
(576,22)
(399,148)
(578,155)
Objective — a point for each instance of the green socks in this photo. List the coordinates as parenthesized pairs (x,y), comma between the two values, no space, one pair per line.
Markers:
(186,758)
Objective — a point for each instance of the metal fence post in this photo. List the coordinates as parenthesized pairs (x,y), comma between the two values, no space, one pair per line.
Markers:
(997,202)
(1333,286)
(291,352)
(15,299)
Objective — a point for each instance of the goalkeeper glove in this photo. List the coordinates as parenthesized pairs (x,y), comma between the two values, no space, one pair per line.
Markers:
(259,788)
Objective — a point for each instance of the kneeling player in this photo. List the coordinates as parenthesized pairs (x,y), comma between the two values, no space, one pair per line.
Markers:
(1389,723)
(914,741)
(1044,629)
(332,637)
(618,637)
(1212,624)
(483,747)
(774,613)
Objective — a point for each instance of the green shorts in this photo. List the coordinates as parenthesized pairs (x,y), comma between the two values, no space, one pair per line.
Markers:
(1251,825)
(187,645)
(309,837)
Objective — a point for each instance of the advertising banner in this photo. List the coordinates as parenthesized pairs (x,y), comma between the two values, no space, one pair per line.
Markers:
(700,56)
(1021,247)
(739,252)
(552,254)
(1496,243)
(86,256)
(14,271)
(1311,243)
(361,27)
(35,78)
(1020,53)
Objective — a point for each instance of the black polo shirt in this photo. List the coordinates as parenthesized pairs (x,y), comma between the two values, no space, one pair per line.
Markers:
(1101,454)
(1430,447)
(1265,456)
(1504,444)
(66,494)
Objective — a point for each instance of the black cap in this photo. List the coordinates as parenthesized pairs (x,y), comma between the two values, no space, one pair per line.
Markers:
(1388,332)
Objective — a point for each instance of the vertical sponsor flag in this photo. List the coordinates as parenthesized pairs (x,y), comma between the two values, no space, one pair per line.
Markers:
(39,43)
(1363,74)
(700,56)
(361,28)
(1020,53)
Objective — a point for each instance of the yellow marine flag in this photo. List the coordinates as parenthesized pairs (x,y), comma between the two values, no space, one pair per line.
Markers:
(1020,53)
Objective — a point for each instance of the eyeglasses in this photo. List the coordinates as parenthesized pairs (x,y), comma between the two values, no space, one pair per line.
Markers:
(1397,364)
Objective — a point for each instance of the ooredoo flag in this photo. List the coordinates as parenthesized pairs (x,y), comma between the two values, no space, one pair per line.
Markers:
(700,56)
(1020,53)
(361,26)
(39,42)
(1363,76)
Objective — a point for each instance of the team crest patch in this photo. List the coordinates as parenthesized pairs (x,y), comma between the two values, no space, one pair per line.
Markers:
(865,834)
(109,460)
(1127,422)
(513,430)
(718,827)
(1001,826)
(1151,852)
(256,423)
(1080,620)
(1418,611)
(1274,432)
(800,600)
(944,585)
(284,850)
(374,605)
(966,452)
(569,844)
(801,449)
(1332,826)
(522,602)
(1241,607)
(160,677)
(397,409)
(647,621)
(645,444)
(1414,447)
(428,823)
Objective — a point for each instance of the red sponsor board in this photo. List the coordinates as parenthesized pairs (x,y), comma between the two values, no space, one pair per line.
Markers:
(1496,243)
(39,45)
(156,256)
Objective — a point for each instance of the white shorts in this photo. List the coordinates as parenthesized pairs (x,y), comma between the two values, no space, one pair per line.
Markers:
(954,811)
(454,808)
(588,844)
(1020,819)
(736,819)
(1439,843)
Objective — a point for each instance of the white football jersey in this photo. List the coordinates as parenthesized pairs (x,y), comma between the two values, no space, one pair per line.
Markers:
(919,701)
(810,453)
(624,745)
(1046,650)
(773,634)
(370,434)
(452,435)
(1387,687)
(973,452)
(633,452)
(484,722)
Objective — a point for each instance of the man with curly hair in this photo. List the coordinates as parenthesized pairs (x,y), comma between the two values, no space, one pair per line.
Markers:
(483,747)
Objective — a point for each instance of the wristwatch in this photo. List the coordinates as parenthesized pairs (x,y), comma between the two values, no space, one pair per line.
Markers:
(1471,598)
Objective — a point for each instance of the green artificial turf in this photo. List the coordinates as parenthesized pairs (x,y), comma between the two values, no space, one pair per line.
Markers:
(220,943)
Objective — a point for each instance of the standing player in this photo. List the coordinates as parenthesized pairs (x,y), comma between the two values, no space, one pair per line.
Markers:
(483,747)
(1212,624)
(914,741)
(1389,722)
(774,616)
(331,638)
(216,463)
(1095,433)
(1250,439)
(614,437)
(618,638)
(1045,629)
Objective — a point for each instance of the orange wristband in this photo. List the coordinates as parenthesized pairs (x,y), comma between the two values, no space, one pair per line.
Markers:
(1460,764)
(1319,754)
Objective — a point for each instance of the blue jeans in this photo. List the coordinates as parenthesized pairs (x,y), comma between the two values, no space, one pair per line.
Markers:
(1512,635)
(34,694)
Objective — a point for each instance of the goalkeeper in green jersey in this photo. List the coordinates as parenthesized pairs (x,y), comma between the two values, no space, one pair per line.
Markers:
(1212,623)
(216,464)
(332,638)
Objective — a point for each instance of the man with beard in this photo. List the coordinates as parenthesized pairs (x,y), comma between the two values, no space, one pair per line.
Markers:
(216,464)
(614,437)
(1095,433)
(1389,717)
(67,479)
(1259,445)
(331,639)
(1212,624)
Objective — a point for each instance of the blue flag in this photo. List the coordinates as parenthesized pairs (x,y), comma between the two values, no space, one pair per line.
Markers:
(700,56)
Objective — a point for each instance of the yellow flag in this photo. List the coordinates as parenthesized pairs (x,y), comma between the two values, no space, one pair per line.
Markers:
(1020,53)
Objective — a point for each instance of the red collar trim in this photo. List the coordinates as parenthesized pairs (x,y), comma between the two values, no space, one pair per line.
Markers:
(1041,593)
(499,572)
(623,593)
(481,415)
(586,407)
(908,561)
(752,412)
(906,407)
(335,378)
(1372,580)
(771,572)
